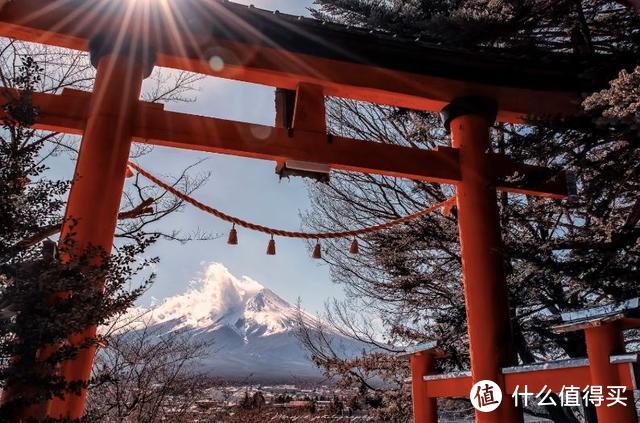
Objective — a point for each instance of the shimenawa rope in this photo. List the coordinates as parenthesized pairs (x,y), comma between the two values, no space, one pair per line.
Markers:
(444,205)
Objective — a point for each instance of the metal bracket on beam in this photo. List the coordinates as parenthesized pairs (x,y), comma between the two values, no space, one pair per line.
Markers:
(139,50)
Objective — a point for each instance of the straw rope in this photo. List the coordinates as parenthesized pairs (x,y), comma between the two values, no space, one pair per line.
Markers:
(445,205)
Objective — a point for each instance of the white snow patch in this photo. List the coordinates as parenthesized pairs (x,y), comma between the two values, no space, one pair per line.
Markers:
(222,299)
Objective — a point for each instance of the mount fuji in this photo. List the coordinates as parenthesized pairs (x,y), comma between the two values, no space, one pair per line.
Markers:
(250,328)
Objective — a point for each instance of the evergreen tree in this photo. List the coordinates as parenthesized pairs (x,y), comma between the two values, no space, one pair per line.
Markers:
(33,313)
(43,301)
(558,256)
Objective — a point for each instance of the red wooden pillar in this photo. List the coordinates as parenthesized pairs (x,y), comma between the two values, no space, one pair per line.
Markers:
(488,317)
(602,342)
(425,409)
(94,199)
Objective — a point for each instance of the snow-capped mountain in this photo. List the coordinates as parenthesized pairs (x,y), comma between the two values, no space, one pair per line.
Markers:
(251,329)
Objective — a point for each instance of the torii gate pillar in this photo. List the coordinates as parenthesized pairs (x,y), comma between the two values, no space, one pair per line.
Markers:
(488,318)
(603,342)
(425,409)
(94,199)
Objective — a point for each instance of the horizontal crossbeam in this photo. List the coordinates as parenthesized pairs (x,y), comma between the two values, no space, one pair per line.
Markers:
(282,51)
(155,126)
(553,375)
(66,113)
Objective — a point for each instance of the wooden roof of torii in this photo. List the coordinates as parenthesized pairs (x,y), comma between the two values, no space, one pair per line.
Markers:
(280,50)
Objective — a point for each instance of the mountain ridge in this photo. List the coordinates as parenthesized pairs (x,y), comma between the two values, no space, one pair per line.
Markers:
(250,328)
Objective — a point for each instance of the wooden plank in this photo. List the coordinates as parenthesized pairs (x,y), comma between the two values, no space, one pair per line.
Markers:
(182,36)
(57,113)
(538,377)
(455,387)
(553,379)
(214,135)
(66,112)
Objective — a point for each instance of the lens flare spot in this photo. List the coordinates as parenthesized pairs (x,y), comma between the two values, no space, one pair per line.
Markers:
(260,132)
(216,63)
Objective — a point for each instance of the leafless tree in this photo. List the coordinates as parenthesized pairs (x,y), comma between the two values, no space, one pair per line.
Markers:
(39,204)
(143,204)
(557,256)
(143,374)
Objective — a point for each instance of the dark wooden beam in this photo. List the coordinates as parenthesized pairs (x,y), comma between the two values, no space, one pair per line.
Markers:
(66,112)
(282,51)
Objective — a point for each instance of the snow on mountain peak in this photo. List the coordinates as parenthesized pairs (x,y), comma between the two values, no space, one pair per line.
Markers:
(220,299)
(250,329)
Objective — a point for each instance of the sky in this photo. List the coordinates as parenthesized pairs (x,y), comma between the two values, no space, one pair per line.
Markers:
(243,187)
(246,188)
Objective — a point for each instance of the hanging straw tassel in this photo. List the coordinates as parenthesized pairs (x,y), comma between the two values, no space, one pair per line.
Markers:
(129,173)
(271,249)
(317,251)
(233,236)
(355,248)
(447,208)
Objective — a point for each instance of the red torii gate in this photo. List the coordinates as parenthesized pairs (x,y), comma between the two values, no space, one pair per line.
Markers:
(606,365)
(126,38)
